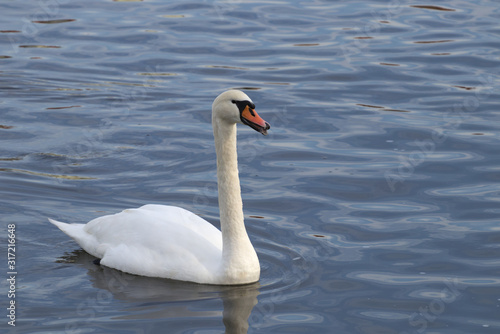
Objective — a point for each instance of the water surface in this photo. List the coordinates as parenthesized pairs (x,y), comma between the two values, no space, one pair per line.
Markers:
(373,203)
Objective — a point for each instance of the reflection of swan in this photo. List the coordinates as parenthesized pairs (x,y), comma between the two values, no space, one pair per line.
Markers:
(170,242)
(153,298)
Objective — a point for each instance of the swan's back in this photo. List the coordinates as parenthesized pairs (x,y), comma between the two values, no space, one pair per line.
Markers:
(153,240)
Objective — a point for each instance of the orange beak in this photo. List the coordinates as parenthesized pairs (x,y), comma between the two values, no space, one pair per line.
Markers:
(250,117)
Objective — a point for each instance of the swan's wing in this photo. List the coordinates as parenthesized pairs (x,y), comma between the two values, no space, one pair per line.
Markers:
(155,240)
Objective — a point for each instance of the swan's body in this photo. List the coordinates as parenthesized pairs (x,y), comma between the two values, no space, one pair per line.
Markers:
(170,242)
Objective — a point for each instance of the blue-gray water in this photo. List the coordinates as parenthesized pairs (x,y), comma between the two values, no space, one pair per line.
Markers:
(374,203)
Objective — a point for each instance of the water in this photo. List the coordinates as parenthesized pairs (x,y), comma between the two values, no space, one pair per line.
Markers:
(373,203)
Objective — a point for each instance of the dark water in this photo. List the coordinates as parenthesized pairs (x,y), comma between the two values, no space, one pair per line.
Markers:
(374,203)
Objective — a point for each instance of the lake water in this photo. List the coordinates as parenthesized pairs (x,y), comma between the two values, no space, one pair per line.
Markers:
(373,204)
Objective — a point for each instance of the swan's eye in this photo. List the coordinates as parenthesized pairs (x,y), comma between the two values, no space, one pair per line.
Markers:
(242,105)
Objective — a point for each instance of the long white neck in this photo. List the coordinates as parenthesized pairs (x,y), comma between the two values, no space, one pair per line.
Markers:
(239,259)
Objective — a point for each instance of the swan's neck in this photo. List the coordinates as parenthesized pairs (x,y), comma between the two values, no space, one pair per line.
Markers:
(238,255)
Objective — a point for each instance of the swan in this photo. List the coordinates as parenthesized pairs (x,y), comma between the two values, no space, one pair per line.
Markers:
(171,242)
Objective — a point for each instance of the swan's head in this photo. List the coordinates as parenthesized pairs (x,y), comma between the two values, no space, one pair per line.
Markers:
(234,106)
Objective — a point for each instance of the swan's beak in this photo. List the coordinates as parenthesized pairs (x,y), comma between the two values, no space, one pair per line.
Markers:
(250,117)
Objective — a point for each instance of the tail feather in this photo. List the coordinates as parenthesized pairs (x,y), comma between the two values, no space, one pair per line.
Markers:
(82,238)
(75,231)
(66,228)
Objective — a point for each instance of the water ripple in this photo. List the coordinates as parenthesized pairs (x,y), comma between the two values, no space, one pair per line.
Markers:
(392,279)
(374,197)
(478,192)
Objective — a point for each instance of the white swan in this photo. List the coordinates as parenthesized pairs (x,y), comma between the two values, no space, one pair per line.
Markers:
(170,242)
